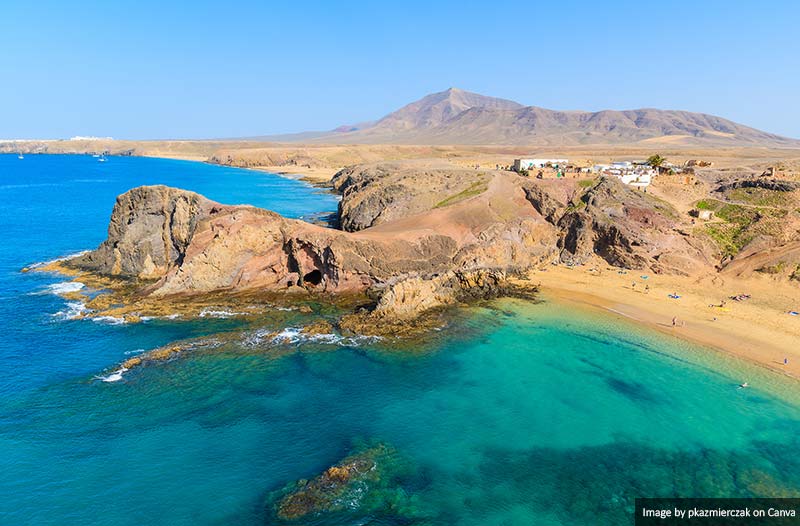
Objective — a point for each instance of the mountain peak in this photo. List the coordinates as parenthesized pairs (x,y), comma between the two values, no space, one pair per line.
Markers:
(457,116)
(435,109)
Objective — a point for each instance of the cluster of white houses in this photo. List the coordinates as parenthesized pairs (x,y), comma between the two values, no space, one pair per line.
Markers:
(630,173)
(638,174)
(530,164)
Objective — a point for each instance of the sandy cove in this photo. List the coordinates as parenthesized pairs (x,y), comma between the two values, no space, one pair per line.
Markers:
(315,176)
(759,330)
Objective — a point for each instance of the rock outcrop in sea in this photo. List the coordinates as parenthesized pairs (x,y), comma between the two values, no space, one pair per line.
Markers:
(366,483)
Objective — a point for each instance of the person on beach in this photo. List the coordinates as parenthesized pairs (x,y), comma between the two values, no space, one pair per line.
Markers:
(786,361)
(674,321)
(647,289)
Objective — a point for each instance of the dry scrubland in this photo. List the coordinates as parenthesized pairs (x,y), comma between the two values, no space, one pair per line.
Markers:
(326,159)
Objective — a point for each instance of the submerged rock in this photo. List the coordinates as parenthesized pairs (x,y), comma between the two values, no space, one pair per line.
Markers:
(318,327)
(366,483)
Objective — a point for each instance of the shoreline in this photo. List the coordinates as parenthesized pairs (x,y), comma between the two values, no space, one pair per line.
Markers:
(739,329)
(758,330)
(320,177)
(569,287)
(312,176)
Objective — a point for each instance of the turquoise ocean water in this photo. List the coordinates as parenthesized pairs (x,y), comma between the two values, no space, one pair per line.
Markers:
(516,414)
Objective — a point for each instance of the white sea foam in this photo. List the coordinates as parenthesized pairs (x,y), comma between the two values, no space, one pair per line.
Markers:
(116,376)
(135,351)
(167,317)
(72,310)
(56,260)
(109,320)
(65,287)
(212,312)
(295,335)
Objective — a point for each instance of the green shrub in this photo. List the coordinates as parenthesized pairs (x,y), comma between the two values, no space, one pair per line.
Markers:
(476,188)
(772,269)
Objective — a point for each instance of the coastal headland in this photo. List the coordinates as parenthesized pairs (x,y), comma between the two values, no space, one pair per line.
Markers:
(433,216)
(424,234)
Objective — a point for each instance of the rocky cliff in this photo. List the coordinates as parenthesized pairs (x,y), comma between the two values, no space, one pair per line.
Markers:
(382,192)
(189,244)
(628,229)
(149,232)
(422,239)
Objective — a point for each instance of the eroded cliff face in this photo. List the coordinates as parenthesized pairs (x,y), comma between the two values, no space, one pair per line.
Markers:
(149,232)
(628,229)
(189,244)
(383,192)
(417,258)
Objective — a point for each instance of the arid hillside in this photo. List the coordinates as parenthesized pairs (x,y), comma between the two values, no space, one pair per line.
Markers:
(455,116)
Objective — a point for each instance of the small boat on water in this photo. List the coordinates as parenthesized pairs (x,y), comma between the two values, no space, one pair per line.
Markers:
(20,156)
(101,159)
(95,155)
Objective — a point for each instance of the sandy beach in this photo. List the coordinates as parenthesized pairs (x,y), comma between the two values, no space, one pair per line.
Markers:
(316,176)
(759,329)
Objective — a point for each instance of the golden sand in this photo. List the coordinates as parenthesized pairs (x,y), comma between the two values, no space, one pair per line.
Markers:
(759,329)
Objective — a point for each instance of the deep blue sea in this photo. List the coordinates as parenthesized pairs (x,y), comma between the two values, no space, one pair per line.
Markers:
(516,414)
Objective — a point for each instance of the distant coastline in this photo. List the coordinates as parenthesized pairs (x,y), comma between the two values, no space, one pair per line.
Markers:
(760,329)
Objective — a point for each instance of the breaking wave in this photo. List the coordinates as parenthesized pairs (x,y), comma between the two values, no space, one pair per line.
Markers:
(56,260)
(72,310)
(115,376)
(167,317)
(295,335)
(65,287)
(109,320)
(212,312)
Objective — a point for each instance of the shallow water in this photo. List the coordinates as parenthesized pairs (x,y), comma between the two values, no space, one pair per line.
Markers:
(515,414)
(55,205)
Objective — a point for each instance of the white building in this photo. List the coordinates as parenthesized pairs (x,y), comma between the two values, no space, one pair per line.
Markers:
(529,164)
(629,173)
(638,178)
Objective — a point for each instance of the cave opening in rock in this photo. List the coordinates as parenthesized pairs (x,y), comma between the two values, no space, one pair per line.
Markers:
(313,278)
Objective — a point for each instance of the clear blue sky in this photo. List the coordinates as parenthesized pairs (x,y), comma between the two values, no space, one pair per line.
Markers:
(201,69)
